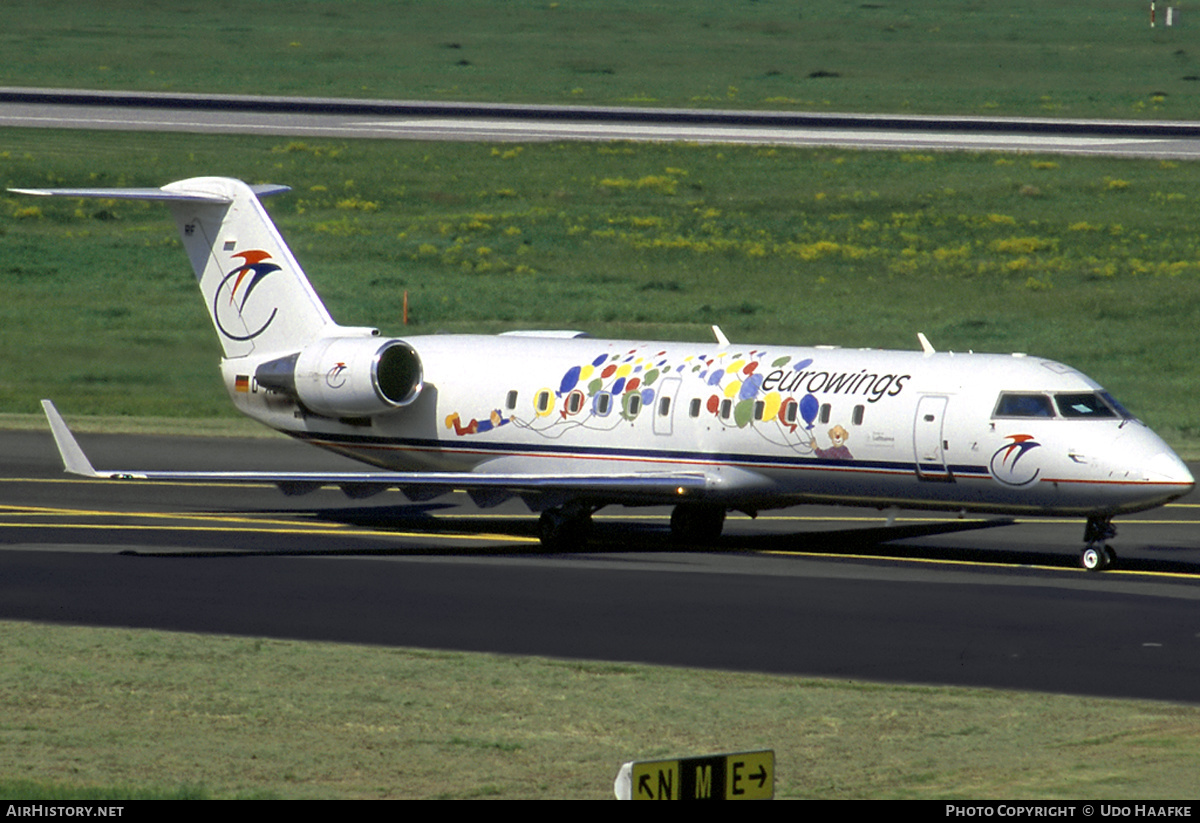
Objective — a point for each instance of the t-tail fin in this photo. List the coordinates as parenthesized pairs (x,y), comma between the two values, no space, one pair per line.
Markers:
(258,297)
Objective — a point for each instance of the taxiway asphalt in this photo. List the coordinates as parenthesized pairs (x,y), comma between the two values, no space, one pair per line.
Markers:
(810,591)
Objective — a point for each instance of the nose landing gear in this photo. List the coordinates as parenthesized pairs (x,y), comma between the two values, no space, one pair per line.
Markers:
(1097,554)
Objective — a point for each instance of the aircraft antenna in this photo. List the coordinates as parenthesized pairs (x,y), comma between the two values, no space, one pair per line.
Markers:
(926,346)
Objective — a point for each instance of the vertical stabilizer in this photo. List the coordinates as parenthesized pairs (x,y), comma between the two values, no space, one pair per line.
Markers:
(258,297)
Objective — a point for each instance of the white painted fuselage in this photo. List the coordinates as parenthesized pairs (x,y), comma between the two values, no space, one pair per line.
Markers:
(784,425)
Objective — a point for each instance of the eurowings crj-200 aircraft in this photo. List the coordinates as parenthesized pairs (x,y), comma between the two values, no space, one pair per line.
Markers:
(570,424)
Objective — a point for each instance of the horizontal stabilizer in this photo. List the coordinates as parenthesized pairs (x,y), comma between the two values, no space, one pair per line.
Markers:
(126,194)
(166,194)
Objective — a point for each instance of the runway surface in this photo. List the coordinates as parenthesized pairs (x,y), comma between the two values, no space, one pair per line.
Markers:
(817,591)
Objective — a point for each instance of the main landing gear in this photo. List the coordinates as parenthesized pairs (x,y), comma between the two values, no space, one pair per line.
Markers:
(565,528)
(697,522)
(1097,554)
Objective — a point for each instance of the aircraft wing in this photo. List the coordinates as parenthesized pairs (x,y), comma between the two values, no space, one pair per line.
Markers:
(484,487)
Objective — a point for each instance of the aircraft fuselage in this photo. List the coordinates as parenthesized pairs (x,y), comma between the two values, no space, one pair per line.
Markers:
(977,432)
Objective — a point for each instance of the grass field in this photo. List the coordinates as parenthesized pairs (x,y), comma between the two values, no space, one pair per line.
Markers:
(1023,57)
(1090,261)
(205,716)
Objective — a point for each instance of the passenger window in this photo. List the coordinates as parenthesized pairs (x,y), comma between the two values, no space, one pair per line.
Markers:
(1012,404)
(824,413)
(603,403)
(858,415)
(790,407)
(632,403)
(510,402)
(694,408)
(664,406)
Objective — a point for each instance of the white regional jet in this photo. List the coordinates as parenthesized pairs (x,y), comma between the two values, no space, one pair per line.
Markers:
(570,424)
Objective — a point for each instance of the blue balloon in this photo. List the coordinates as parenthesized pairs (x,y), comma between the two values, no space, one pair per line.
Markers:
(750,387)
(569,380)
(809,406)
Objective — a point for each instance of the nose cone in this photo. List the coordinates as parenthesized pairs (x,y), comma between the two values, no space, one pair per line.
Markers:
(1150,473)
(1166,467)
(1124,468)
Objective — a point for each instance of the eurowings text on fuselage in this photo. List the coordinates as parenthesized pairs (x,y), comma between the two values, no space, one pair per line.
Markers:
(570,424)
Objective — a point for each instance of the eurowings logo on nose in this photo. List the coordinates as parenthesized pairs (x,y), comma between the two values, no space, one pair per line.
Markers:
(1006,463)
(235,315)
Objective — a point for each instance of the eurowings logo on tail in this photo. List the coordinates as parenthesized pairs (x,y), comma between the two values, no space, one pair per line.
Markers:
(335,378)
(236,316)
(1006,463)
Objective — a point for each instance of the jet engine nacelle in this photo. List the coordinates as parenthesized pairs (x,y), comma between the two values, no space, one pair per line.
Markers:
(347,376)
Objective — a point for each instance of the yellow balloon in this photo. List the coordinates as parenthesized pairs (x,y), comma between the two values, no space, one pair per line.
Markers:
(771,404)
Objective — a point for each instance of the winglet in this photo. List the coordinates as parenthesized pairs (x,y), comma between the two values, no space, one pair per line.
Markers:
(926,346)
(74,460)
(722,340)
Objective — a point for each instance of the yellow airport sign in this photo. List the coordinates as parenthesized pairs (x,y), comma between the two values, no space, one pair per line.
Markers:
(740,776)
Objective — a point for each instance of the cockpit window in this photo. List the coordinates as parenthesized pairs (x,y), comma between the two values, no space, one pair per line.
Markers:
(1088,404)
(1012,404)
(1121,411)
(1071,405)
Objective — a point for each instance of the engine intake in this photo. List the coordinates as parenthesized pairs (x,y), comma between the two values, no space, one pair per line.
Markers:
(347,376)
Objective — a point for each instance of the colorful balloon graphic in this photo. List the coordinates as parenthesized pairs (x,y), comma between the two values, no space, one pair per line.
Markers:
(809,406)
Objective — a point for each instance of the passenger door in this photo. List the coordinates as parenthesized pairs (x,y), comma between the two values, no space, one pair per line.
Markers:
(928,442)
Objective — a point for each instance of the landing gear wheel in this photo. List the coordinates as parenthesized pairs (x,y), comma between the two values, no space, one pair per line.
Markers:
(697,522)
(1098,555)
(1093,558)
(565,528)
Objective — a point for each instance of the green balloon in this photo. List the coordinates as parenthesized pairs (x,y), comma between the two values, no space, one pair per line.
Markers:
(743,413)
